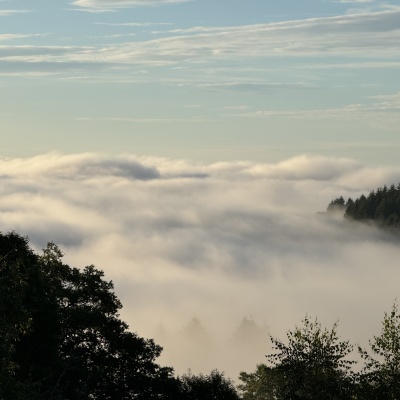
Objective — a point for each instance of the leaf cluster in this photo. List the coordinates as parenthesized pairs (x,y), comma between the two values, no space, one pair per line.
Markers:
(380,377)
(313,362)
(214,386)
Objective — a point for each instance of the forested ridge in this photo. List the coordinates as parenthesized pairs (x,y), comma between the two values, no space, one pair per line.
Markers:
(61,338)
(381,206)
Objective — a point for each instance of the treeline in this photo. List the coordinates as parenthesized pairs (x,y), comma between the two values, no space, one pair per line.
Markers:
(61,338)
(381,206)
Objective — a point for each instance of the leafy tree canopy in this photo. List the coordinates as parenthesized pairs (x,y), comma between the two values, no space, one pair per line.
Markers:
(61,336)
(214,386)
(263,384)
(380,377)
(312,365)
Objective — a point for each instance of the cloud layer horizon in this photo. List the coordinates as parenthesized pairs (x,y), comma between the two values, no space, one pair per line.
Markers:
(216,242)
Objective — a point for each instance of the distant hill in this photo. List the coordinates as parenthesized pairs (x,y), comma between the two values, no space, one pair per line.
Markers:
(381,206)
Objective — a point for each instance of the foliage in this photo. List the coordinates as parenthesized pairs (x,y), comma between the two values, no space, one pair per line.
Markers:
(380,377)
(337,205)
(61,336)
(381,206)
(207,387)
(313,365)
(263,384)
(15,318)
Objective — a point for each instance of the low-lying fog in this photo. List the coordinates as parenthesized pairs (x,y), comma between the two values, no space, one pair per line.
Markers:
(207,259)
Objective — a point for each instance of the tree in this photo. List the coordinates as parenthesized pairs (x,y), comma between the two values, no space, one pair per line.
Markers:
(248,333)
(15,316)
(337,205)
(61,336)
(207,387)
(263,384)
(380,206)
(380,377)
(313,365)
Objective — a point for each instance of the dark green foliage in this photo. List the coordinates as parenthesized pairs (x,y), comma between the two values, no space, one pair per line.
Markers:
(61,336)
(337,205)
(313,366)
(263,384)
(207,387)
(381,206)
(380,378)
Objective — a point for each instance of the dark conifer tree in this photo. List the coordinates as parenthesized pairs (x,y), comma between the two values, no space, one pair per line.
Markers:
(381,206)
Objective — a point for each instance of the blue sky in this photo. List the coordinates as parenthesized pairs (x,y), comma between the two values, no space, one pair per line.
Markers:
(203,80)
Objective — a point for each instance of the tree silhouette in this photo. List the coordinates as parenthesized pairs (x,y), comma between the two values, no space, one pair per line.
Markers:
(313,365)
(380,377)
(61,336)
(381,206)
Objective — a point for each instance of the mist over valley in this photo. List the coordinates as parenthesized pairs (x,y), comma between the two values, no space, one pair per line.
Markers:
(208,259)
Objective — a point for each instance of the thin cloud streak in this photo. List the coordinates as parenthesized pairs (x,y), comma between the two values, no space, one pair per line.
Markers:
(139,24)
(12,36)
(5,13)
(376,34)
(249,86)
(146,120)
(115,4)
(383,112)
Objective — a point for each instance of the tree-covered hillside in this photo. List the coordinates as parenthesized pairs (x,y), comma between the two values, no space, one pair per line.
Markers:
(61,337)
(381,205)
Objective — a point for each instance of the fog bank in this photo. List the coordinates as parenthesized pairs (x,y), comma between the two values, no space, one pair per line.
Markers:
(208,259)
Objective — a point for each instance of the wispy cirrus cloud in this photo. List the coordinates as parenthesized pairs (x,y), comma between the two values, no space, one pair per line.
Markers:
(250,86)
(4,13)
(134,24)
(367,35)
(345,35)
(383,107)
(115,4)
(146,120)
(92,10)
(12,36)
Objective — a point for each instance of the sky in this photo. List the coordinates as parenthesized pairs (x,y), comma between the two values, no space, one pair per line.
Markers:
(206,80)
(186,148)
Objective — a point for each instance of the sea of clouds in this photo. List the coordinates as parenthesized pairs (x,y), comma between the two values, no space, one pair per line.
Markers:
(209,259)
